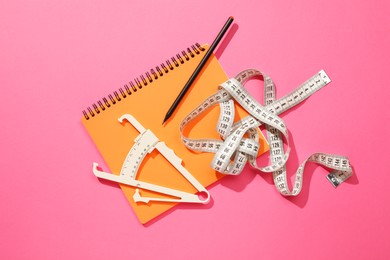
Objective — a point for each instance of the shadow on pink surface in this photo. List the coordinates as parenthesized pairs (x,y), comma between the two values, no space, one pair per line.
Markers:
(183,206)
(226,40)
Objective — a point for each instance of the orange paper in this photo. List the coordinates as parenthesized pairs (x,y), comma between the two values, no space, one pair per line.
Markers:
(149,106)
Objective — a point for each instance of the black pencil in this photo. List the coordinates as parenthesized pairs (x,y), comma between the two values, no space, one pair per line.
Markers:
(199,68)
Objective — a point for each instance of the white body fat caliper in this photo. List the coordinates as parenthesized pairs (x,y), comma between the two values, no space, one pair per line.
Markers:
(145,143)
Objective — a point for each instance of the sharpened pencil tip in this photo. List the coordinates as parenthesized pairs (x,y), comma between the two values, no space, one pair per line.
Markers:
(165,119)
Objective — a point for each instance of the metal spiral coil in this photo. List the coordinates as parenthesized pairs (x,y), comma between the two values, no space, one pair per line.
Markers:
(142,81)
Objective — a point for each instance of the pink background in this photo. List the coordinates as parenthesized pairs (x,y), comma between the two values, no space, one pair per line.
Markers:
(58,57)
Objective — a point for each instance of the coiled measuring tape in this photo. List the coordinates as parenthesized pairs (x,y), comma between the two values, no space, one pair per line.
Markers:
(239,142)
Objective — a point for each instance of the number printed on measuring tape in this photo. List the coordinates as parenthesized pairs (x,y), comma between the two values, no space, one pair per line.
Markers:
(239,141)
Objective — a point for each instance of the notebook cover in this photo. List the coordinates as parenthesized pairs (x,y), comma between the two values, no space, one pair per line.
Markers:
(149,106)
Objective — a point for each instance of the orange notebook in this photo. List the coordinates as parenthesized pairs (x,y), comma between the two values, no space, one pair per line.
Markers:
(148,98)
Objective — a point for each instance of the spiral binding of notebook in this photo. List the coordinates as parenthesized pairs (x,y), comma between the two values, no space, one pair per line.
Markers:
(142,81)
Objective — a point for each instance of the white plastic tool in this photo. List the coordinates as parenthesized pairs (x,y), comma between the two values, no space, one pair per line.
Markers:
(145,143)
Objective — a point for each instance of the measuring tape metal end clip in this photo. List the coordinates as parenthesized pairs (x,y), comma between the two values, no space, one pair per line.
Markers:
(145,143)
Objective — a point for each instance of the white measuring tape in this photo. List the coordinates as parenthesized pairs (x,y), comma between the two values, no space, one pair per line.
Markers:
(240,140)
(145,143)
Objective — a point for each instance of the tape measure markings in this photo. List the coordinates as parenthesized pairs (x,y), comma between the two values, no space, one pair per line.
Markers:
(234,150)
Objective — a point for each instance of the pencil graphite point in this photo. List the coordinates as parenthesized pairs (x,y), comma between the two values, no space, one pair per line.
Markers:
(164,120)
